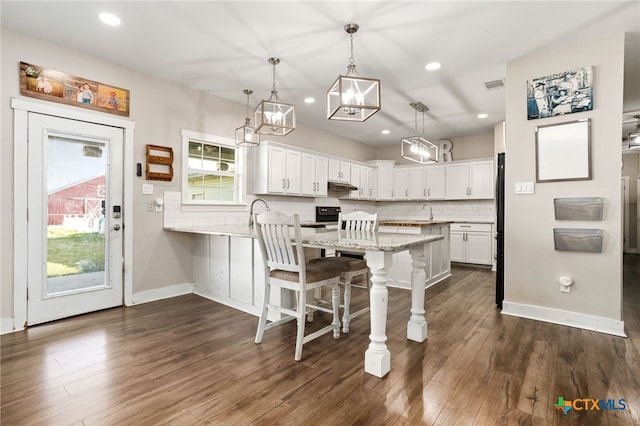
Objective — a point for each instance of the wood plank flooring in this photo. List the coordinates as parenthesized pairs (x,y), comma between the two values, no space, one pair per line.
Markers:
(191,361)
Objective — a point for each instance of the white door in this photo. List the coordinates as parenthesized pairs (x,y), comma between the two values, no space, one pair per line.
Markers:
(74,229)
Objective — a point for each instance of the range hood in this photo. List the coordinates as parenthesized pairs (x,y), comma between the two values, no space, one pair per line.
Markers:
(341,186)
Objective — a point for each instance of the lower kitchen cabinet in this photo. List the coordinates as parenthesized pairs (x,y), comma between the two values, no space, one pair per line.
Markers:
(471,243)
(438,265)
(230,270)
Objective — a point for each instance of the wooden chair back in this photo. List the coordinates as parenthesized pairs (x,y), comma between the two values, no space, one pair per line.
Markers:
(280,241)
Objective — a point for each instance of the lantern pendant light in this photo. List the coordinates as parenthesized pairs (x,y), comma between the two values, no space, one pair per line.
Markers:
(273,117)
(246,135)
(417,148)
(351,97)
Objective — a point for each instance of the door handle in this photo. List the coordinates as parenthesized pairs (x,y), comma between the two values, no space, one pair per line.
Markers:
(116,227)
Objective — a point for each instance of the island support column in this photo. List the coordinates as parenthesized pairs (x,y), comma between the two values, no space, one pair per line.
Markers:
(417,326)
(377,358)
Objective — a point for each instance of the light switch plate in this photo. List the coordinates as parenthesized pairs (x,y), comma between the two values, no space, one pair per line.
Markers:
(525,187)
(147,189)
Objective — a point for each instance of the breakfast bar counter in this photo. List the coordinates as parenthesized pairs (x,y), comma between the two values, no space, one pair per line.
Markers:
(220,264)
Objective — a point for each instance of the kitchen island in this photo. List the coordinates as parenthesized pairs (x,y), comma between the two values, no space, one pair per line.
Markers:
(378,248)
(437,254)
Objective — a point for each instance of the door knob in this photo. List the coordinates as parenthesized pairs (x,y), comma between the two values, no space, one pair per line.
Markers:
(116,227)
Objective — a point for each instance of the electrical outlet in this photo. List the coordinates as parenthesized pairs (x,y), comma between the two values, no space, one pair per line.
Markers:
(151,206)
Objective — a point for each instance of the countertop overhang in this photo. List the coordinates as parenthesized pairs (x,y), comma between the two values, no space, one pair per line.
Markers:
(416,223)
(320,238)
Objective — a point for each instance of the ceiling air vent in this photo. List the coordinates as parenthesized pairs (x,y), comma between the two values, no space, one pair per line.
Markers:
(495,84)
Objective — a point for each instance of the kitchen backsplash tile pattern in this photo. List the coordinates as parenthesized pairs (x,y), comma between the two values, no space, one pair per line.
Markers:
(177,215)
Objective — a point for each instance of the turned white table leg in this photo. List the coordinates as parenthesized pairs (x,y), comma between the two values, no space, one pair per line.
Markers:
(377,358)
(417,326)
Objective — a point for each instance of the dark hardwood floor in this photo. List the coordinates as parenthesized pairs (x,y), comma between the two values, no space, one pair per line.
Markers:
(190,361)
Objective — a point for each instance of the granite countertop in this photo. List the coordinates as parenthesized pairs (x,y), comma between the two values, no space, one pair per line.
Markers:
(322,238)
(412,222)
(228,230)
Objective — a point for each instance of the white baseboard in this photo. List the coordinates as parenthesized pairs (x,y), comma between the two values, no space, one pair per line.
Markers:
(6,326)
(162,293)
(568,318)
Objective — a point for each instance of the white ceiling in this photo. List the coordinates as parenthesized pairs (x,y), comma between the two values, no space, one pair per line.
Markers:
(222,47)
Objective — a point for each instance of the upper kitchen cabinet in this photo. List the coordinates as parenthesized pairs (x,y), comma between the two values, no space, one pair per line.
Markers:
(434,177)
(365,179)
(339,170)
(401,184)
(384,179)
(314,175)
(469,180)
(278,170)
(409,183)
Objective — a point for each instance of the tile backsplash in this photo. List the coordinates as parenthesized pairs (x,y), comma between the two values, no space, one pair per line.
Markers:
(176,214)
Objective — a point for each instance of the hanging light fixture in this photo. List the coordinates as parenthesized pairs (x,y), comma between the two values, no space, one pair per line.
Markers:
(273,117)
(417,148)
(246,135)
(351,97)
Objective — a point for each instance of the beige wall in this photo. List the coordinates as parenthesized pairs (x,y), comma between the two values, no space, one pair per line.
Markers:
(160,109)
(464,148)
(532,265)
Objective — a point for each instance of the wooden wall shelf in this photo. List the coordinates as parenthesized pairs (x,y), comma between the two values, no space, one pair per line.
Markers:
(159,163)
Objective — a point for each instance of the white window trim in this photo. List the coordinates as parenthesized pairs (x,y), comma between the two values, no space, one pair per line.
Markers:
(241,159)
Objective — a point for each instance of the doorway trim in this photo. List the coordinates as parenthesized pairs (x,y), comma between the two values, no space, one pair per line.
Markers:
(22,108)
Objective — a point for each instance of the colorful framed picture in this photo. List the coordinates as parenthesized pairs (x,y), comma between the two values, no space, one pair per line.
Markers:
(562,93)
(55,86)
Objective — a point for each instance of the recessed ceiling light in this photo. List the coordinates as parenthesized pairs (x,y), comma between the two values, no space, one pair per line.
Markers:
(385,132)
(309,100)
(483,115)
(109,19)
(432,66)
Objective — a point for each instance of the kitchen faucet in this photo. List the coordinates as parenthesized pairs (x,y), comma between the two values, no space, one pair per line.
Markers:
(251,209)
(430,210)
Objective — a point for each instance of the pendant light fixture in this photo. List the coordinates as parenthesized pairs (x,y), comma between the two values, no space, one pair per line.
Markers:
(246,135)
(273,117)
(351,97)
(417,148)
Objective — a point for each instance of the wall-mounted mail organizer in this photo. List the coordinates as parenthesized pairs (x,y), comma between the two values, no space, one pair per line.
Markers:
(580,240)
(578,208)
(159,163)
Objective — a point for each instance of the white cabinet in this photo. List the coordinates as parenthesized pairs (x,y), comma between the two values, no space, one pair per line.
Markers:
(469,180)
(401,184)
(339,170)
(434,182)
(409,183)
(416,189)
(438,264)
(471,243)
(278,170)
(363,178)
(230,270)
(384,179)
(314,175)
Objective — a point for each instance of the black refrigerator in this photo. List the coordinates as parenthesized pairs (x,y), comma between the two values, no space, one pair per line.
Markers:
(500,231)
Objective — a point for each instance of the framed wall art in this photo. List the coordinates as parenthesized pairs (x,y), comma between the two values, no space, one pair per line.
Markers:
(562,93)
(55,86)
(563,151)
